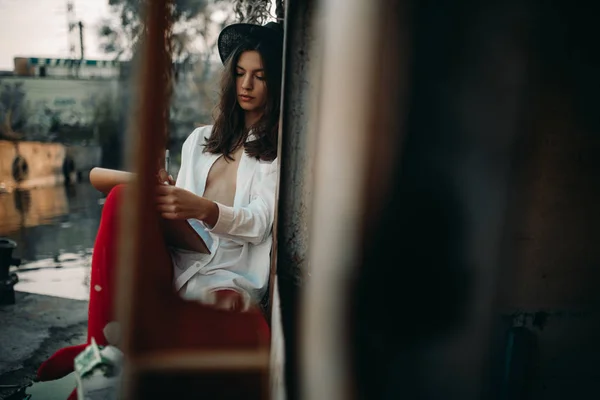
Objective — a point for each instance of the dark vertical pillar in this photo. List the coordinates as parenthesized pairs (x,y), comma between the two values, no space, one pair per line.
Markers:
(296,159)
(549,279)
(424,291)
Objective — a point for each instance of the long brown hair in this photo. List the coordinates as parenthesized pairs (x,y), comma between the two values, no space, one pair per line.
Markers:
(229,130)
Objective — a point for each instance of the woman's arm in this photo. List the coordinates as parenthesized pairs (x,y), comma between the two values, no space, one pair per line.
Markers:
(175,202)
(105,179)
(253,222)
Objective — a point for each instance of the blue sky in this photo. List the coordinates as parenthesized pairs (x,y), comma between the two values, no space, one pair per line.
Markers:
(39,28)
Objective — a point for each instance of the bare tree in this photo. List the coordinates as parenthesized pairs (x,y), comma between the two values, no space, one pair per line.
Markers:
(120,35)
(253,11)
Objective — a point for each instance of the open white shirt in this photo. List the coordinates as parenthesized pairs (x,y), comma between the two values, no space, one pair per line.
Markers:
(242,236)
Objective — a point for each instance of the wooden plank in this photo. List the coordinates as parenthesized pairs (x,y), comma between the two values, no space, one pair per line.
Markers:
(173,348)
(202,360)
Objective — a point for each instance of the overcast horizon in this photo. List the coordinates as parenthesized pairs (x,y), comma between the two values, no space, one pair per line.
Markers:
(38,28)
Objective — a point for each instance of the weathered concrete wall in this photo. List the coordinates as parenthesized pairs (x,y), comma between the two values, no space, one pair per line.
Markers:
(549,282)
(7,156)
(44,163)
(550,272)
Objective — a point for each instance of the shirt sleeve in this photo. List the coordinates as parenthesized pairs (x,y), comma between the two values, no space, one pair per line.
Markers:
(253,222)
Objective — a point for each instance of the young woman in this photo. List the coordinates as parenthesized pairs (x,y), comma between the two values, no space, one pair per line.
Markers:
(227,182)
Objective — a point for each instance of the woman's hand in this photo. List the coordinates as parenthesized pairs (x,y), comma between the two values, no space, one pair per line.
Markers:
(177,203)
(163,177)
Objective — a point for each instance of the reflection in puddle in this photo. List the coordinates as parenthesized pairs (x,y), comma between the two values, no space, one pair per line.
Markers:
(59,389)
(32,207)
(65,276)
(55,229)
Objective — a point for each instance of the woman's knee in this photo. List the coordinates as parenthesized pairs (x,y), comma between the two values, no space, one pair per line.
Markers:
(115,196)
(113,202)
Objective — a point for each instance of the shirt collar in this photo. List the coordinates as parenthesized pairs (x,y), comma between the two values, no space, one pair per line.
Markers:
(251,136)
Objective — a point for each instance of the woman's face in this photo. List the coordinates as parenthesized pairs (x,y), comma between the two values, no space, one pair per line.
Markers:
(251,86)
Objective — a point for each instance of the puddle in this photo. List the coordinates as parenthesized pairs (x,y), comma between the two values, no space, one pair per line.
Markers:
(59,389)
(55,229)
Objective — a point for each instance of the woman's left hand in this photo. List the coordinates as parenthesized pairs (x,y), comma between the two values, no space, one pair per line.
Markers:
(176,203)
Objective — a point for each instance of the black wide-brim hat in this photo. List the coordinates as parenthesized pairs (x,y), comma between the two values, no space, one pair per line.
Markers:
(233,35)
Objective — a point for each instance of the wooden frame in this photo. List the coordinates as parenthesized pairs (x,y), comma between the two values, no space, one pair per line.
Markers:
(164,356)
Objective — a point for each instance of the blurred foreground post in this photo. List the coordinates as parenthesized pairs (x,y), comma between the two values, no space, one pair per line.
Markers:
(173,348)
(300,103)
(455,203)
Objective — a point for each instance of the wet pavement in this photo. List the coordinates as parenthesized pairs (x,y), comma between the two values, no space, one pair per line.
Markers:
(55,229)
(52,225)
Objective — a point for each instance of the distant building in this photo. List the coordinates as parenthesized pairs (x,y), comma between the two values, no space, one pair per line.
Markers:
(66,68)
(63,99)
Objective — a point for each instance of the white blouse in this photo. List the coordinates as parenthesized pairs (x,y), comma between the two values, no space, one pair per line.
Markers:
(242,237)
